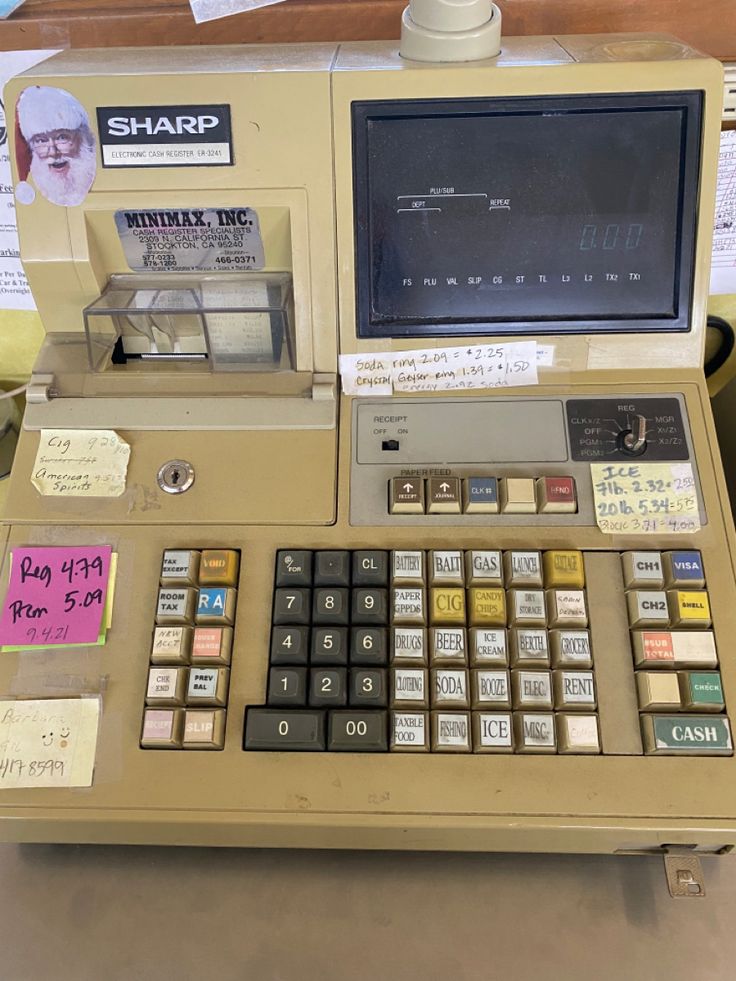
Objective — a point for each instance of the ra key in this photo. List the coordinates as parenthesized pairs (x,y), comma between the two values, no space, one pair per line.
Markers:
(280,730)
(358,732)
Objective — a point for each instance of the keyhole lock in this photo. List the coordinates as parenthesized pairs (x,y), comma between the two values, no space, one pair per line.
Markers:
(176,476)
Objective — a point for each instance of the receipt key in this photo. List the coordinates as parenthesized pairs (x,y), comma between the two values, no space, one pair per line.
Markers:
(294,729)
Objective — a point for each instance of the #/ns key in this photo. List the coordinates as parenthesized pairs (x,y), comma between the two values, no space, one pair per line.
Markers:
(278,731)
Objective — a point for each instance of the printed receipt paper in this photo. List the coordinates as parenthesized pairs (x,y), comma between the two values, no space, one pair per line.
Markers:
(48,742)
(645,498)
(80,463)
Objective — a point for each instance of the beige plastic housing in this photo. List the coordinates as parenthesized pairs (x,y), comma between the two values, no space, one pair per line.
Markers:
(277,483)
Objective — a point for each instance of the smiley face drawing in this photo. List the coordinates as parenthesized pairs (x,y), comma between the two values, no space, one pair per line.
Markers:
(47,738)
(63,737)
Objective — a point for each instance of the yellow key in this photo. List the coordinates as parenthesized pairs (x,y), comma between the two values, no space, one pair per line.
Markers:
(487,607)
(219,567)
(564,569)
(447,606)
(689,608)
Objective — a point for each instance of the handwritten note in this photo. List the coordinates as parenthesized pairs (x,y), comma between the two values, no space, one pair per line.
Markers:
(440,369)
(48,742)
(80,463)
(645,498)
(55,595)
(723,266)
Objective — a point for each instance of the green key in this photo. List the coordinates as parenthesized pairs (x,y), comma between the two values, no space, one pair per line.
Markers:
(687,735)
(701,690)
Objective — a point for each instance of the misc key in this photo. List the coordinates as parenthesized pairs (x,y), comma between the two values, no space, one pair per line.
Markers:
(370,568)
(523,568)
(407,568)
(204,729)
(480,495)
(483,567)
(409,732)
(279,729)
(563,569)
(689,608)
(556,495)
(518,495)
(446,568)
(684,569)
(328,687)
(368,645)
(643,570)
(492,732)
(449,688)
(171,645)
(370,606)
(658,691)
(529,648)
(570,648)
(574,690)
(368,688)
(289,645)
(293,567)
(534,732)
(291,606)
(490,689)
(648,608)
(180,567)
(175,605)
(358,732)
(443,495)
(674,649)
(451,732)
(531,689)
(577,733)
(216,605)
(331,606)
(488,647)
(687,735)
(287,686)
(332,568)
(329,646)
(409,688)
(409,646)
(701,691)
(219,567)
(162,728)
(406,495)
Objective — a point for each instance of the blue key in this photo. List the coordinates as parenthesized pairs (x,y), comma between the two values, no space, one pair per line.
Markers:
(216,605)
(686,569)
(481,494)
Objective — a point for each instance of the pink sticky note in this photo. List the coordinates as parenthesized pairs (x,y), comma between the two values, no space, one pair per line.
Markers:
(55,595)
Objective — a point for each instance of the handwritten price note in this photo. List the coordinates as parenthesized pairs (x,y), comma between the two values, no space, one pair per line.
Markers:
(48,742)
(645,498)
(440,369)
(80,463)
(55,596)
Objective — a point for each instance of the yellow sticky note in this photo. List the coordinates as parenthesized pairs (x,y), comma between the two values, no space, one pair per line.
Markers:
(48,742)
(645,498)
(80,463)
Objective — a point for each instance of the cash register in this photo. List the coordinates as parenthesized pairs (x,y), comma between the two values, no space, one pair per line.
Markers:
(385,578)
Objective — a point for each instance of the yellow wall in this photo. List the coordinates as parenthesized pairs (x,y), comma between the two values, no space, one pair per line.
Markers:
(21,334)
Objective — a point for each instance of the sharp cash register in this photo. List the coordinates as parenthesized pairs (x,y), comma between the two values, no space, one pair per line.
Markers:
(372,390)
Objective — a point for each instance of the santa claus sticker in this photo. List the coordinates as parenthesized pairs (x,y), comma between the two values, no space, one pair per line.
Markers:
(54,147)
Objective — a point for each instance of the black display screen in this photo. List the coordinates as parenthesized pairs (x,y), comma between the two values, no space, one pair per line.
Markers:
(525,215)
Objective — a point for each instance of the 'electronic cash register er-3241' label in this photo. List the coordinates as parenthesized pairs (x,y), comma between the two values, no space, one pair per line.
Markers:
(189,239)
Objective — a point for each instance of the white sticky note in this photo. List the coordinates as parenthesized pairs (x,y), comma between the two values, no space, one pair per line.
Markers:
(205,10)
(545,355)
(723,264)
(48,742)
(366,374)
(645,498)
(80,463)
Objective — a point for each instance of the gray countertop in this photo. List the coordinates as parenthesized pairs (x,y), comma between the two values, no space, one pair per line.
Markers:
(108,913)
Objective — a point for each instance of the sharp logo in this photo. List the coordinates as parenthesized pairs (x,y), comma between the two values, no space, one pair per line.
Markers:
(165,136)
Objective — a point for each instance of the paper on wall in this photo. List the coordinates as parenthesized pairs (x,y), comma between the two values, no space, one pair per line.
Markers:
(723,267)
(645,498)
(15,294)
(441,369)
(48,742)
(205,10)
(80,463)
